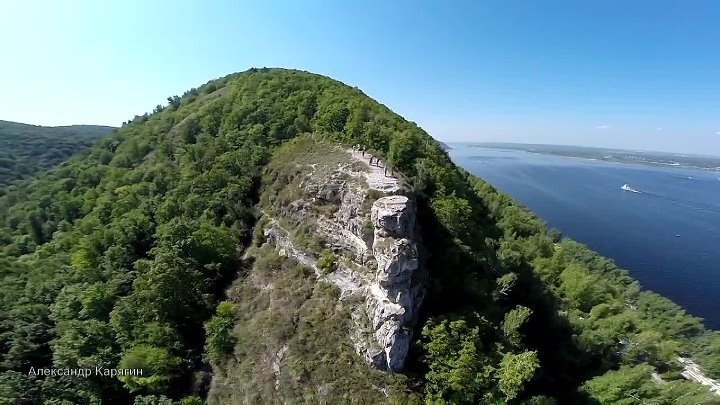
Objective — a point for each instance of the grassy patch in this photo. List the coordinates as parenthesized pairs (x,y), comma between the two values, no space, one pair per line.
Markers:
(283,310)
(305,236)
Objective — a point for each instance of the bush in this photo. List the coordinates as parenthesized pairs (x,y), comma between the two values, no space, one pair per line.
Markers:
(258,232)
(326,264)
(218,332)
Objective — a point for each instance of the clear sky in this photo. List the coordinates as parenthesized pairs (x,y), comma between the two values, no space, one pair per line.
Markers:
(631,73)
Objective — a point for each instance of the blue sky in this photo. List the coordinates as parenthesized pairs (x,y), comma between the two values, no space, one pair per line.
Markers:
(632,74)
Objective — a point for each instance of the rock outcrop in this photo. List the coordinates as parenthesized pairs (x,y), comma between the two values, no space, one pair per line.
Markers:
(376,250)
(394,297)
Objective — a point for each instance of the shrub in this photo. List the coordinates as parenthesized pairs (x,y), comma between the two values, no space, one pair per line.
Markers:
(326,264)
(258,232)
(218,331)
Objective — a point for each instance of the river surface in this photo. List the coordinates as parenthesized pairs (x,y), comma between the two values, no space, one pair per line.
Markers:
(638,230)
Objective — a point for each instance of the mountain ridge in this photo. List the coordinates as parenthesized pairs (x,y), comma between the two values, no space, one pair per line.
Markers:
(18,125)
(27,149)
(134,255)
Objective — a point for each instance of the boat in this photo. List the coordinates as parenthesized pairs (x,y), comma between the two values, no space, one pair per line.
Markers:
(626,187)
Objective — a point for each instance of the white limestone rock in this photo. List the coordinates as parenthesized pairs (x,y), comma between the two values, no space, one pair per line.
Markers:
(376,246)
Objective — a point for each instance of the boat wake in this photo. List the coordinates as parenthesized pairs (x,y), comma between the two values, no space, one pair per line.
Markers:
(709,208)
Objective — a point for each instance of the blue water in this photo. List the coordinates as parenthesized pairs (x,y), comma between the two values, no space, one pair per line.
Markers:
(582,198)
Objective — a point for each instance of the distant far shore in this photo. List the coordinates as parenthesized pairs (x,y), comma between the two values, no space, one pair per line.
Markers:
(646,158)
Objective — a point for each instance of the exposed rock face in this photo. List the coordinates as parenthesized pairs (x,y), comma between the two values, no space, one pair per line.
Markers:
(394,299)
(394,216)
(376,245)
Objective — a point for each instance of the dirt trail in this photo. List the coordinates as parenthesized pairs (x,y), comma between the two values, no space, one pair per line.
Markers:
(376,174)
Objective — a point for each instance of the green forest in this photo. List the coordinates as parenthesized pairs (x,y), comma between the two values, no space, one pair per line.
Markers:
(121,257)
(28,149)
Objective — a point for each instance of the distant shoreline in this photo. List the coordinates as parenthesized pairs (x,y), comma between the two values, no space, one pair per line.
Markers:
(643,158)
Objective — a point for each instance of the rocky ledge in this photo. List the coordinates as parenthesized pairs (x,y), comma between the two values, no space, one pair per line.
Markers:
(377,266)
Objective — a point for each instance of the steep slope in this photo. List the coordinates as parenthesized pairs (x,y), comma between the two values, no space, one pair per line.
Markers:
(348,223)
(235,244)
(369,232)
(28,149)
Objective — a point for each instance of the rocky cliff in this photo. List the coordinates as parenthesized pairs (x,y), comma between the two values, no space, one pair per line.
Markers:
(356,211)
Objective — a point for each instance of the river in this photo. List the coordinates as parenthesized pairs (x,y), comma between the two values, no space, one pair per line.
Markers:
(667,235)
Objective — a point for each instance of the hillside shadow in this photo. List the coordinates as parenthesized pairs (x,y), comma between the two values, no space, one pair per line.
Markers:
(460,284)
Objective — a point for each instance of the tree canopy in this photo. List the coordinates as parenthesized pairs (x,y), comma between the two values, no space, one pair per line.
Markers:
(26,150)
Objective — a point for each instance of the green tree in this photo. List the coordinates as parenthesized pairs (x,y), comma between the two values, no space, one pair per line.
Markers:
(218,332)
(159,368)
(403,151)
(514,371)
(458,370)
(454,213)
(514,319)
(624,386)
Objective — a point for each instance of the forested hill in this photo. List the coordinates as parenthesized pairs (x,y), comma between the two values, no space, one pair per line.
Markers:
(122,259)
(444,145)
(27,149)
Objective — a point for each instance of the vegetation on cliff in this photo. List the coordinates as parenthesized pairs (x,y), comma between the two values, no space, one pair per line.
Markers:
(120,259)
